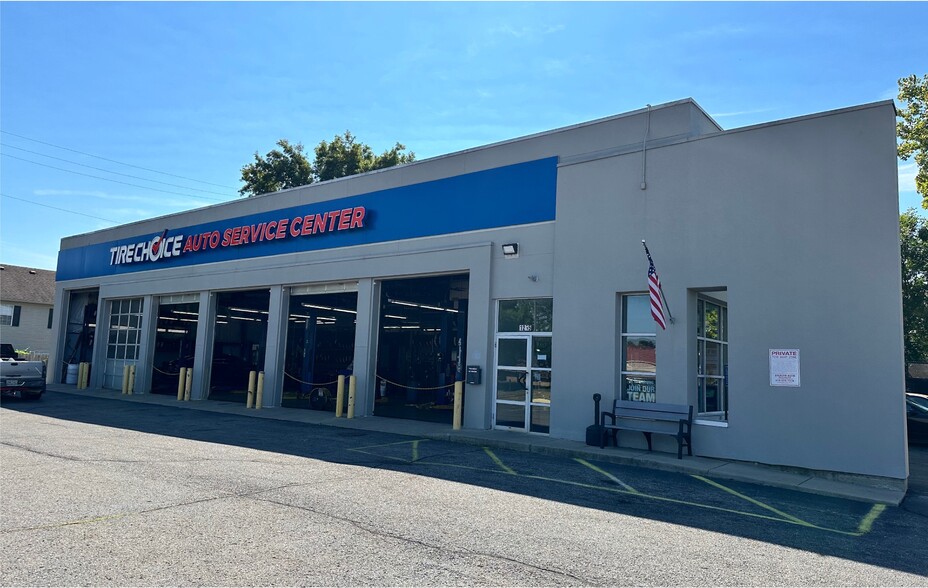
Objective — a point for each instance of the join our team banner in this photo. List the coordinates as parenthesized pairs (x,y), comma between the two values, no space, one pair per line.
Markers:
(511,195)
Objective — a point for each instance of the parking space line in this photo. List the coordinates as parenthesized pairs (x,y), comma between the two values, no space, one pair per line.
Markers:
(798,521)
(867,522)
(499,462)
(863,528)
(607,474)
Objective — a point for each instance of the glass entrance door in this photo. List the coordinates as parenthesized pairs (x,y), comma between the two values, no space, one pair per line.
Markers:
(523,383)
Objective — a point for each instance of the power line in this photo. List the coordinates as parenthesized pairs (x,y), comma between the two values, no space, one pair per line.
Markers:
(61,209)
(111,180)
(114,161)
(112,172)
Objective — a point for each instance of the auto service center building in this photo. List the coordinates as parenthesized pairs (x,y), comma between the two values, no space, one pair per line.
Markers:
(521,263)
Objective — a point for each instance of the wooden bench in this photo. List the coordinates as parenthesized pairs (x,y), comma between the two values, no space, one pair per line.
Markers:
(675,420)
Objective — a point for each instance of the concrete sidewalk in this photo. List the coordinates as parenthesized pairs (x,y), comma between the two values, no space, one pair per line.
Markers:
(822,483)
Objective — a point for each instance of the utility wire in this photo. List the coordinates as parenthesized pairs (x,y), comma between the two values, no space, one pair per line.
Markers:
(114,161)
(113,172)
(56,208)
(112,180)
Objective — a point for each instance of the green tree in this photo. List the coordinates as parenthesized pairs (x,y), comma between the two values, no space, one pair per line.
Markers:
(282,168)
(345,156)
(912,129)
(288,167)
(913,234)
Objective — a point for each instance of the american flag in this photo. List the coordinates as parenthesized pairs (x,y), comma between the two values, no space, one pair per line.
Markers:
(654,285)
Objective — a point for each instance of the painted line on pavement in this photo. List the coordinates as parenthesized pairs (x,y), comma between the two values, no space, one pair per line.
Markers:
(796,520)
(607,474)
(863,528)
(867,522)
(499,462)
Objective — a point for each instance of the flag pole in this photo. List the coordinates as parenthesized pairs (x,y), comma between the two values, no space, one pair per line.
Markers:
(660,286)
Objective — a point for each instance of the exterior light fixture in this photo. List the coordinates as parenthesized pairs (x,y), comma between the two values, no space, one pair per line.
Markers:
(510,249)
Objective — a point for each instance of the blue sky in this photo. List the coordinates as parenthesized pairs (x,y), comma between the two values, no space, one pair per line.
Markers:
(194,89)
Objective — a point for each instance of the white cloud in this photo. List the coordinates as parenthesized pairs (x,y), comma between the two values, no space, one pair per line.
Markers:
(157,201)
(740,112)
(526,32)
(907,172)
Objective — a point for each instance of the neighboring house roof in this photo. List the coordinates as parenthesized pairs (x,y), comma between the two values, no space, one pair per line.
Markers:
(26,284)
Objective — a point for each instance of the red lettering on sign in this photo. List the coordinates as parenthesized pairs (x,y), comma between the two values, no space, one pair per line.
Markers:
(344,220)
(295,226)
(214,239)
(319,223)
(333,216)
(269,230)
(226,237)
(357,217)
(246,232)
(237,236)
(282,228)
(307,225)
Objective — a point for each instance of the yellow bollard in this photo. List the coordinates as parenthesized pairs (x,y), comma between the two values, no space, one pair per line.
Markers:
(340,397)
(181,383)
(259,395)
(352,388)
(80,375)
(125,379)
(250,402)
(187,383)
(86,381)
(458,401)
(131,387)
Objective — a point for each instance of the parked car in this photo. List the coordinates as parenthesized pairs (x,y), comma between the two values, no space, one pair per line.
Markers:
(916,417)
(19,378)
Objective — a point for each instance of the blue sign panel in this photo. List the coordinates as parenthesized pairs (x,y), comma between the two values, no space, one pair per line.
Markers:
(512,195)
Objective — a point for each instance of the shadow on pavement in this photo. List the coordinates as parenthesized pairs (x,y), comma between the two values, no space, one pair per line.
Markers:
(894,540)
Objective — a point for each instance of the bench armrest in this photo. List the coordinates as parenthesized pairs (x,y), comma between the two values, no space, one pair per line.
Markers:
(602,418)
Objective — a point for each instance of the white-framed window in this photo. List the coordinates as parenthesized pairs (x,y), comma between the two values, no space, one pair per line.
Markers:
(638,349)
(6,315)
(712,355)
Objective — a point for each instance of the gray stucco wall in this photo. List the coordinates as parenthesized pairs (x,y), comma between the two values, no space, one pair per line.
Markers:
(800,222)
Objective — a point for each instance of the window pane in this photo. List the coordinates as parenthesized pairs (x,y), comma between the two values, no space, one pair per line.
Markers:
(638,388)
(120,352)
(541,386)
(724,324)
(541,419)
(712,320)
(640,354)
(515,316)
(136,305)
(134,321)
(699,322)
(523,316)
(637,314)
(510,385)
(713,358)
(121,336)
(713,395)
(541,352)
(543,315)
(510,415)
(512,352)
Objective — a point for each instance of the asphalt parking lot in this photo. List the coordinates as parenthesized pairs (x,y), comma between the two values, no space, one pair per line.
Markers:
(105,492)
